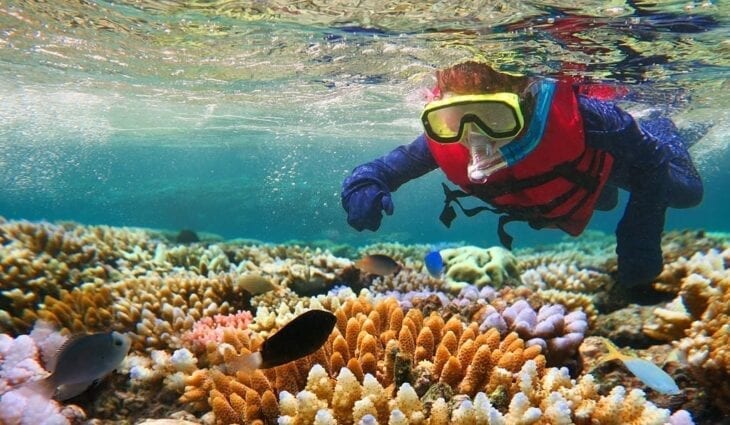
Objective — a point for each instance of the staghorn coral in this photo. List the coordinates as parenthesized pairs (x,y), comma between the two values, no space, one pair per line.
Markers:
(493,266)
(62,273)
(696,280)
(668,323)
(42,259)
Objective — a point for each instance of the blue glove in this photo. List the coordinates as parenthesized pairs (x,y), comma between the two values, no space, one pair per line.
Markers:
(366,192)
(364,202)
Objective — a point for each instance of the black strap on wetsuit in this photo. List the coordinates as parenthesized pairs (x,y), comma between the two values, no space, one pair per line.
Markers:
(533,215)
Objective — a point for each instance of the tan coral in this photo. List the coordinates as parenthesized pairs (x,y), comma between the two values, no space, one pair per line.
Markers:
(566,277)
(527,396)
(669,323)
(707,344)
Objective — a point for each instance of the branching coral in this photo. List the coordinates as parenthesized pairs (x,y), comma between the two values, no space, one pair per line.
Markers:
(406,349)
(528,397)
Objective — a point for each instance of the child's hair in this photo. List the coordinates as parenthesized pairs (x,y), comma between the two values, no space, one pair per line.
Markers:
(475,77)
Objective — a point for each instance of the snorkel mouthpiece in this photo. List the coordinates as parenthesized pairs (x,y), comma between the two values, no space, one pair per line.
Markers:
(484,159)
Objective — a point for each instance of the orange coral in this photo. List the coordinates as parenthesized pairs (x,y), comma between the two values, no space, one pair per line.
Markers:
(463,358)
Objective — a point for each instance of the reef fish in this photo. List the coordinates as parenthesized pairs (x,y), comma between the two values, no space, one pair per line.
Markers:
(434,263)
(649,373)
(80,362)
(379,264)
(255,284)
(302,336)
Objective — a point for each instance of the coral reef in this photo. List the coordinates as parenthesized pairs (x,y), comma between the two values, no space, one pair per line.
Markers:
(707,343)
(495,341)
(531,397)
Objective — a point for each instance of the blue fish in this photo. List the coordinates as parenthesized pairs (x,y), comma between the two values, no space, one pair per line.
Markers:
(434,263)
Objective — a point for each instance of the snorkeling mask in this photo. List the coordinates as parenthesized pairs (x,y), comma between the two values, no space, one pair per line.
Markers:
(490,123)
(496,115)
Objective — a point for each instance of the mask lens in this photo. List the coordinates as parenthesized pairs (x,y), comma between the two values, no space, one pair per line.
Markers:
(496,119)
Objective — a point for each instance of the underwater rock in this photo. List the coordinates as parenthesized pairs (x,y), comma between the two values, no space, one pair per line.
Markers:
(624,327)
(187,236)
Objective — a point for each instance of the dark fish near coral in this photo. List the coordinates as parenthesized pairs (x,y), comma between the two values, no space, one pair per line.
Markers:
(187,236)
(379,264)
(81,361)
(302,336)
(434,263)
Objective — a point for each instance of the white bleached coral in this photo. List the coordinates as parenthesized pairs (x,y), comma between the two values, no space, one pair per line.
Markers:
(550,398)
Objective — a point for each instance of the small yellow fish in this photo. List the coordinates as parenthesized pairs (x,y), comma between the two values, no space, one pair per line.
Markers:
(379,264)
(649,373)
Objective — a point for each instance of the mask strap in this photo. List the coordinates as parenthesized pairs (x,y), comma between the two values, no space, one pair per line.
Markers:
(516,150)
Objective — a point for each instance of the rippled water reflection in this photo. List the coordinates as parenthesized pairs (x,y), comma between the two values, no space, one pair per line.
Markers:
(79,79)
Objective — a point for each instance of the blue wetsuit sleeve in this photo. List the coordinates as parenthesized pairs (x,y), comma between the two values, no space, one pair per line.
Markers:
(366,191)
(656,170)
(400,165)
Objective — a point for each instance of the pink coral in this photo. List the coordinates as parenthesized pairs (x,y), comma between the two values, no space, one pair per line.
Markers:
(559,334)
(210,329)
(19,362)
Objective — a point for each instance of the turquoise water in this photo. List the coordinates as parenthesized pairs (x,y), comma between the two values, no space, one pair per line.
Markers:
(242,118)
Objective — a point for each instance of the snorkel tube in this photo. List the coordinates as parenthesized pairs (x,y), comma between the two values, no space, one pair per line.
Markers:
(484,158)
(487,156)
(516,150)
